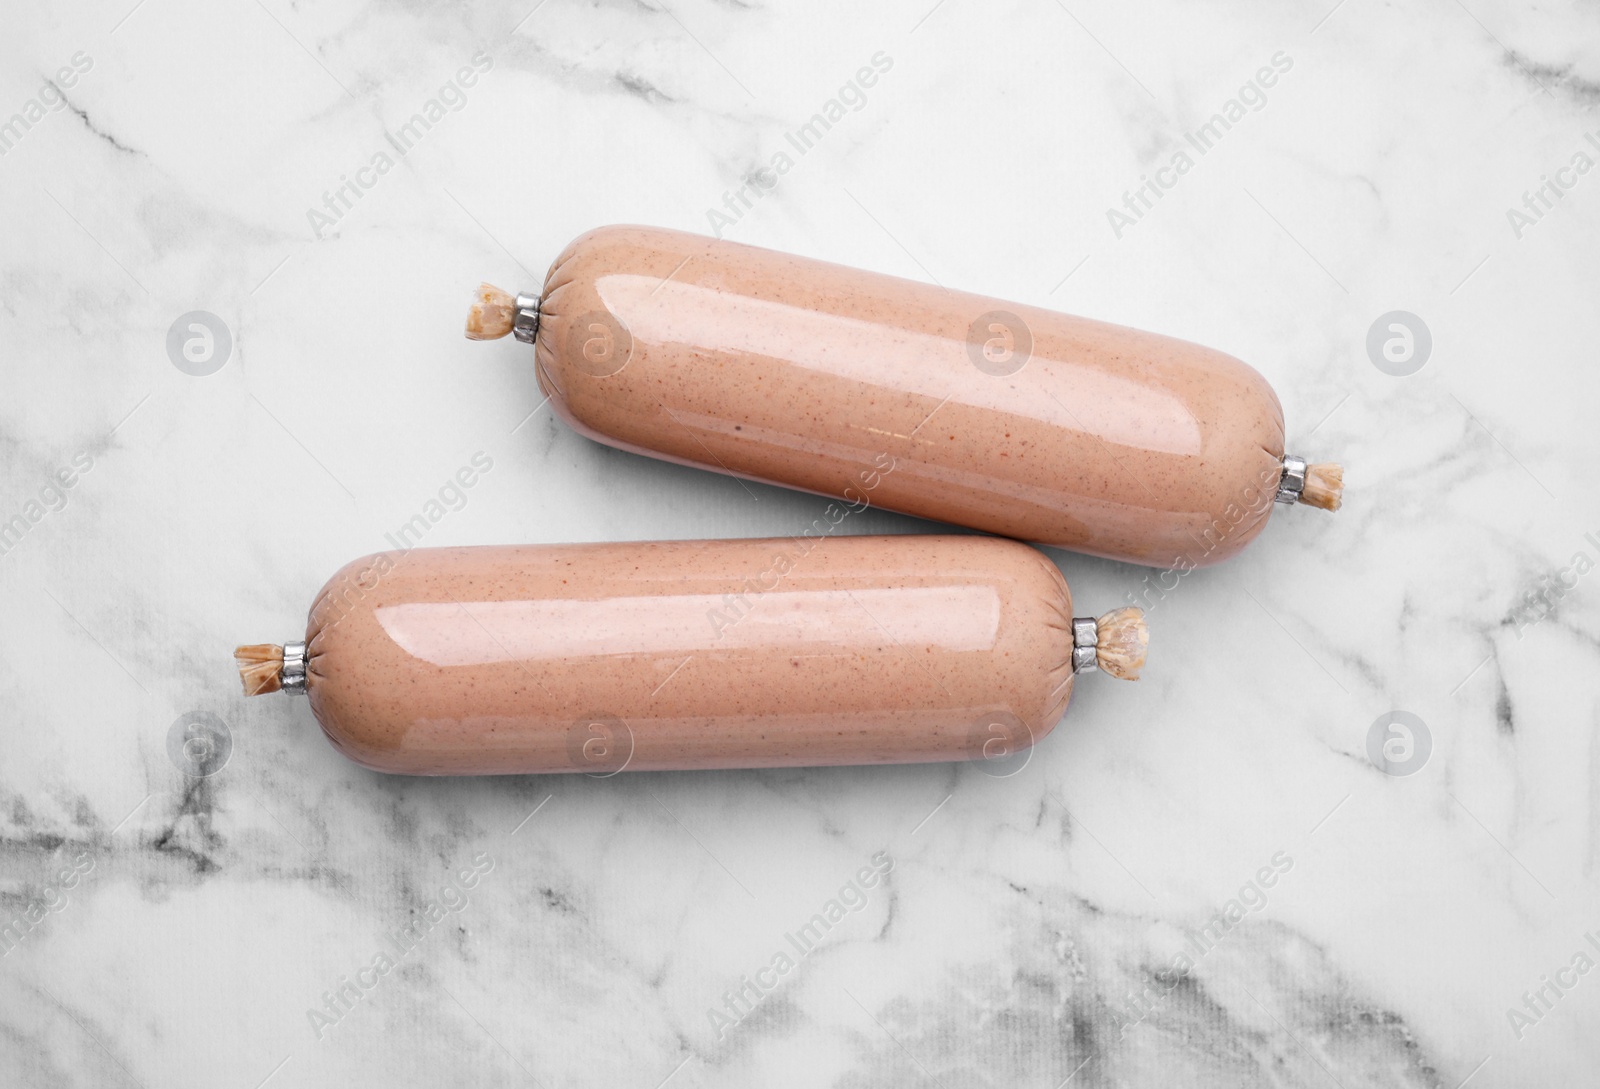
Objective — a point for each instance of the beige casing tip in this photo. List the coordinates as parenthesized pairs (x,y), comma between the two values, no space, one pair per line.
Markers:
(492,314)
(1324,486)
(260,667)
(1121,640)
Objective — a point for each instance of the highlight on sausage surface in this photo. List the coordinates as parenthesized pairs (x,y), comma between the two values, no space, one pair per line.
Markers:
(1001,417)
(695,654)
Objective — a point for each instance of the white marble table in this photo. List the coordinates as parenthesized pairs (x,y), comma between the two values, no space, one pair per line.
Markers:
(225,158)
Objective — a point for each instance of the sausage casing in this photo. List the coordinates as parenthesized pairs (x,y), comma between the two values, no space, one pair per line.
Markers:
(1006,418)
(690,654)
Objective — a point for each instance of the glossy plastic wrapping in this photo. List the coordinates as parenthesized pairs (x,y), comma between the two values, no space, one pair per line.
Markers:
(1006,418)
(690,654)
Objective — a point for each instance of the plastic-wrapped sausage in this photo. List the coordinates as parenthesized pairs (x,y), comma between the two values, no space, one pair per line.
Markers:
(693,654)
(1002,417)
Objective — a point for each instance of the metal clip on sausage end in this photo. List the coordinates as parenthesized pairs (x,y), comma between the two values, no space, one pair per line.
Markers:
(293,674)
(1319,485)
(1115,642)
(269,667)
(525,326)
(1293,480)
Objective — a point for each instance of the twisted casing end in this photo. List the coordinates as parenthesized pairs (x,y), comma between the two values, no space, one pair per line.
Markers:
(492,313)
(260,667)
(1324,486)
(1121,639)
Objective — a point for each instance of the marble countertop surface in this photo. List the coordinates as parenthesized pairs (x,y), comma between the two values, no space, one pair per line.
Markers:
(1396,225)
